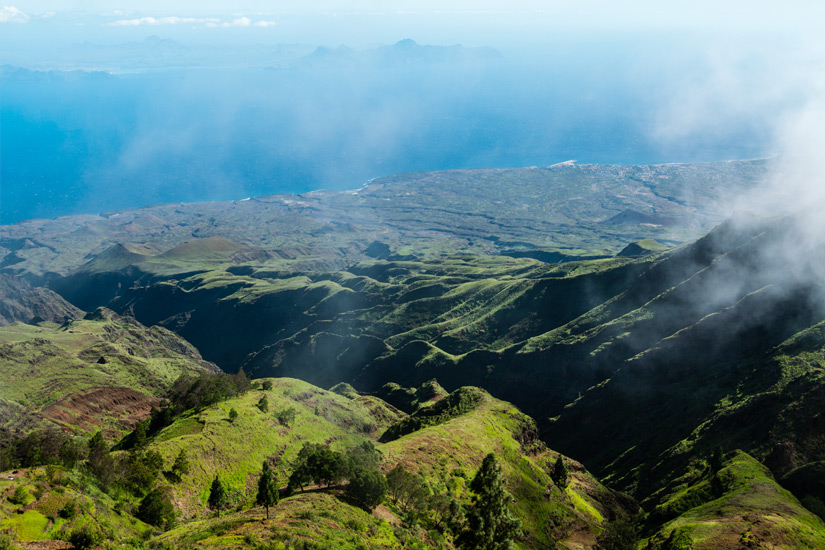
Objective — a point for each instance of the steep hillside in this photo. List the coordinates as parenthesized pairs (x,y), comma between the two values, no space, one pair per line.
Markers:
(738,506)
(101,371)
(19,301)
(446,454)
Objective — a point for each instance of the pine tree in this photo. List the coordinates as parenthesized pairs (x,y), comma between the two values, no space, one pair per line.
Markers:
(490,523)
(181,466)
(561,475)
(267,489)
(217,496)
(716,460)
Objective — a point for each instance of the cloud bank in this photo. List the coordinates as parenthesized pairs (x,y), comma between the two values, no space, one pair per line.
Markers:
(11,14)
(208,22)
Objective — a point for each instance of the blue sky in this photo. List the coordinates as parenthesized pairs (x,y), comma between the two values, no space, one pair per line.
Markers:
(363,22)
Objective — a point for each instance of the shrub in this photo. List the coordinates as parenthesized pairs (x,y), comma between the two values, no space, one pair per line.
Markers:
(68,511)
(20,496)
(267,385)
(84,537)
(286,416)
(366,488)
(157,509)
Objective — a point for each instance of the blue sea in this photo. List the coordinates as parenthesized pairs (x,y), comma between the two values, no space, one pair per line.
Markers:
(73,142)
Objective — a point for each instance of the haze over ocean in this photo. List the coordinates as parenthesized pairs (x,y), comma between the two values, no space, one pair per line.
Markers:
(116,108)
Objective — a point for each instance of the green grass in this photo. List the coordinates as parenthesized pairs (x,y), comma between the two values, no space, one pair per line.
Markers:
(460,444)
(236,450)
(752,507)
(42,522)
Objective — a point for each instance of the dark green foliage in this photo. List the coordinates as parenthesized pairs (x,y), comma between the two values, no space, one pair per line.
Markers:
(461,401)
(263,404)
(100,463)
(85,537)
(38,448)
(490,523)
(286,416)
(217,496)
(19,496)
(156,508)
(560,475)
(154,460)
(266,385)
(365,455)
(242,383)
(815,505)
(267,489)
(319,464)
(68,511)
(233,415)
(620,534)
(139,435)
(195,392)
(181,466)
(366,488)
(407,489)
(716,459)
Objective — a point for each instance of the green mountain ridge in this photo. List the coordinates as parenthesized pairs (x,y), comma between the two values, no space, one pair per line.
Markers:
(438,306)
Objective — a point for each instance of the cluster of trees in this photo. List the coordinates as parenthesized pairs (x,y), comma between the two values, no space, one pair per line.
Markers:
(366,485)
(38,448)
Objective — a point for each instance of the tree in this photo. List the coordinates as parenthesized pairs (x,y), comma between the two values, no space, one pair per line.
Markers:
(560,475)
(233,414)
(181,466)
(267,489)
(716,460)
(490,523)
(619,535)
(267,385)
(242,382)
(217,496)
(156,508)
(407,489)
(286,416)
(263,404)
(366,488)
(84,537)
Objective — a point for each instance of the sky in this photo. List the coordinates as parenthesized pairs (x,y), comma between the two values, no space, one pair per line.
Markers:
(359,23)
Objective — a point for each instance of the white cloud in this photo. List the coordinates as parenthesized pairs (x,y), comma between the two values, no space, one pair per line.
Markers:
(152,21)
(10,14)
(239,22)
(206,22)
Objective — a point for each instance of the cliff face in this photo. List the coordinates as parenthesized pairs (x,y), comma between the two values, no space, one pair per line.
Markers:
(19,301)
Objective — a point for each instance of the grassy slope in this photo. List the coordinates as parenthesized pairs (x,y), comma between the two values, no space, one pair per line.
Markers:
(451,452)
(447,455)
(38,519)
(235,451)
(753,512)
(46,363)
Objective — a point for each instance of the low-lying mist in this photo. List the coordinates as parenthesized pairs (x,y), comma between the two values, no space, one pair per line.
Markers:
(94,141)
